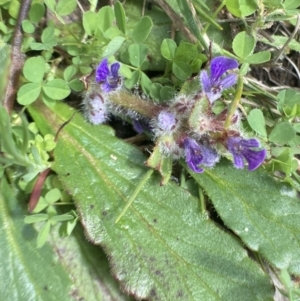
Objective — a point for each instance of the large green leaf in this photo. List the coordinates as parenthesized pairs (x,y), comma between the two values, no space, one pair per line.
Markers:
(263,212)
(162,248)
(28,273)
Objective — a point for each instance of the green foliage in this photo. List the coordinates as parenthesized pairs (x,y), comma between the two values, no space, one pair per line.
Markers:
(241,8)
(142,30)
(257,122)
(250,205)
(120,16)
(75,268)
(144,239)
(243,46)
(165,245)
(17,149)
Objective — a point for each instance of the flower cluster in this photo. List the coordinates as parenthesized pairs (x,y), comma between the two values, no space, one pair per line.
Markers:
(187,127)
(96,105)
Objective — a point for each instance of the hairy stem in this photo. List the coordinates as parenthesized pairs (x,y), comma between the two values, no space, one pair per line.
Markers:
(17,59)
(134,103)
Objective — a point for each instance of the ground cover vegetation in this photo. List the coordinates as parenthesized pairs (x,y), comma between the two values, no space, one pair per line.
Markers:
(150,150)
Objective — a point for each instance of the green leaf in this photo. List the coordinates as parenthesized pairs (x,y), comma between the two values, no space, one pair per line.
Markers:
(34,69)
(50,4)
(279,41)
(257,122)
(297,127)
(105,18)
(291,4)
(185,52)
(241,8)
(264,213)
(37,46)
(112,33)
(43,234)
(62,218)
(113,46)
(287,98)
(87,266)
(181,70)
(155,91)
(162,246)
(145,83)
(76,85)
(56,89)
(35,218)
(65,7)
(28,93)
(137,54)
(89,22)
(48,38)
(133,80)
(284,162)
(243,44)
(14,8)
(76,269)
(167,93)
(36,12)
(69,72)
(258,58)
(120,16)
(282,133)
(29,274)
(27,26)
(168,48)
(142,29)
(53,195)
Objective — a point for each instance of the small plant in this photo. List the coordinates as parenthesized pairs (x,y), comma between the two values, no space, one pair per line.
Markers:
(200,201)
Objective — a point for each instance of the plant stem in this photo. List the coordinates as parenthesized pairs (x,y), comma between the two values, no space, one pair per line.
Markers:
(215,14)
(135,193)
(235,102)
(202,200)
(17,58)
(134,103)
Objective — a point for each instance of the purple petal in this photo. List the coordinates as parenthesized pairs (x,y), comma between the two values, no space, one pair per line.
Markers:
(106,87)
(210,156)
(254,158)
(193,155)
(233,145)
(219,65)
(137,126)
(166,121)
(194,167)
(238,161)
(205,81)
(213,96)
(228,81)
(250,143)
(102,71)
(115,69)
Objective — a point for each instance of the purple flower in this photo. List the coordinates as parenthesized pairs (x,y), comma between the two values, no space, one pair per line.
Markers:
(245,149)
(166,121)
(95,109)
(108,76)
(210,155)
(140,125)
(193,154)
(217,81)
